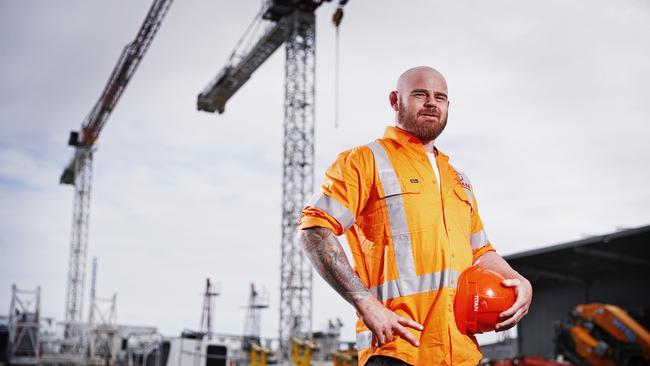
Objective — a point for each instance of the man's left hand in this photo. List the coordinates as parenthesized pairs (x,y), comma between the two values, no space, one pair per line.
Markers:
(512,316)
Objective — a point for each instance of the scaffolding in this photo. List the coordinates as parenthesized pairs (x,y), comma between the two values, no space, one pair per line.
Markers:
(24,327)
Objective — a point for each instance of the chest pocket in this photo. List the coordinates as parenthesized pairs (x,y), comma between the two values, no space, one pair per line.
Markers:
(395,186)
(401,195)
(395,197)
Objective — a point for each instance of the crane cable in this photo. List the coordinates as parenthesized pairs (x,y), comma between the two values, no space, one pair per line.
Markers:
(336,19)
(253,26)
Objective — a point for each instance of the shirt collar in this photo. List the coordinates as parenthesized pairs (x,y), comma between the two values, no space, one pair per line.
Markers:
(407,139)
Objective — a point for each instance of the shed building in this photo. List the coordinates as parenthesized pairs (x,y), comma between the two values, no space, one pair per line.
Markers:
(612,268)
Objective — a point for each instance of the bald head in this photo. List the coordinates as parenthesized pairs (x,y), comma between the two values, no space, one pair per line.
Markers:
(420,102)
(417,75)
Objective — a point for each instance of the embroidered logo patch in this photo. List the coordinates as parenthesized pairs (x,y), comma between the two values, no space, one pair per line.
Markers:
(463,182)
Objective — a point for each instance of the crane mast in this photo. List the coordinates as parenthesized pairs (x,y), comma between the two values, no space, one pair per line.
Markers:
(293,23)
(205,326)
(257,300)
(81,215)
(298,176)
(79,171)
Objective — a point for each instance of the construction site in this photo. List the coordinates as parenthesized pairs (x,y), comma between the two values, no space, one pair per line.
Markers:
(209,125)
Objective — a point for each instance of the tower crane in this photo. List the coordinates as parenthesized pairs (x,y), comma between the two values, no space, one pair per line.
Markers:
(205,326)
(79,171)
(292,22)
(257,300)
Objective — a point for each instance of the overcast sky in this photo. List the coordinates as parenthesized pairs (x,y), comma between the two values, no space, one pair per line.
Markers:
(549,117)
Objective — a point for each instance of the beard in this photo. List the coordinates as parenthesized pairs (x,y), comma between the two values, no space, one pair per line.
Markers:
(424,131)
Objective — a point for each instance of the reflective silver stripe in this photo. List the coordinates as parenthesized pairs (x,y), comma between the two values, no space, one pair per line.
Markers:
(416,285)
(478,239)
(408,282)
(396,215)
(463,177)
(364,339)
(333,208)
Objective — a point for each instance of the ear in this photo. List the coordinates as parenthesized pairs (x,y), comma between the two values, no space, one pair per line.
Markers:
(393,100)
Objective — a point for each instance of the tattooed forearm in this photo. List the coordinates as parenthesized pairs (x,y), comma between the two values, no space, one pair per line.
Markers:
(326,254)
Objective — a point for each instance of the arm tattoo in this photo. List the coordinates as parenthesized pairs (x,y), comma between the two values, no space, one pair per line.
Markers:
(326,254)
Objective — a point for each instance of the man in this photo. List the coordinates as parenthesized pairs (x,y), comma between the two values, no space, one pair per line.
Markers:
(412,224)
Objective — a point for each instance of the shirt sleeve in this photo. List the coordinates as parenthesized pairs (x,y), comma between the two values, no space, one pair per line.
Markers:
(343,194)
(478,238)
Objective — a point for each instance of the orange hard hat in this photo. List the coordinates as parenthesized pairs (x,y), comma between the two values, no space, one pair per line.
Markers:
(480,298)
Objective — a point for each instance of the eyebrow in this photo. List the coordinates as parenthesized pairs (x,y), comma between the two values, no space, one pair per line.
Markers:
(427,92)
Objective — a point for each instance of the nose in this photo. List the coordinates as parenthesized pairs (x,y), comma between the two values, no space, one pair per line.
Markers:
(428,103)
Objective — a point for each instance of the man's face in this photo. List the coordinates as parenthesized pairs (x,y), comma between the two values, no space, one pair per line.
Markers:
(422,104)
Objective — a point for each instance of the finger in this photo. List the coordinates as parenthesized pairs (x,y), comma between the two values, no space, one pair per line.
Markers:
(507,324)
(504,328)
(380,339)
(388,335)
(518,304)
(511,282)
(511,321)
(409,323)
(404,333)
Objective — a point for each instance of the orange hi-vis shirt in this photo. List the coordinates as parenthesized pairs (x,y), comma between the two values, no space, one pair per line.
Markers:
(409,240)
